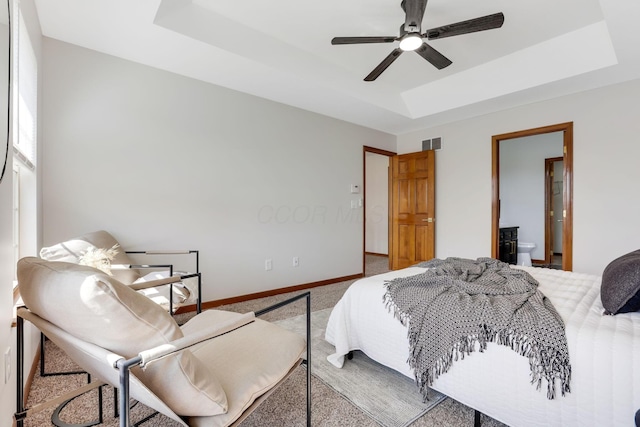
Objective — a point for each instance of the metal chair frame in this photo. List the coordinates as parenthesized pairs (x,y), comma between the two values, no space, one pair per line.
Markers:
(124,366)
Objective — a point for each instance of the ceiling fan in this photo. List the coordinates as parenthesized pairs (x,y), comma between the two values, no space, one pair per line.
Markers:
(411,36)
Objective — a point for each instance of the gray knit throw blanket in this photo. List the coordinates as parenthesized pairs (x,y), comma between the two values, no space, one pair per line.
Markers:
(459,303)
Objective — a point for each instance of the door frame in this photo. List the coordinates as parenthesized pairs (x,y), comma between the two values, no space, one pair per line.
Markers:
(366,149)
(567,187)
(549,234)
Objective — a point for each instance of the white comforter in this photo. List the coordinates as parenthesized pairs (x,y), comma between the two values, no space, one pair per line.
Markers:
(604,352)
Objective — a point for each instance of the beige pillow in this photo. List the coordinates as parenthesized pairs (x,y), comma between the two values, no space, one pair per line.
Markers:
(73,249)
(95,307)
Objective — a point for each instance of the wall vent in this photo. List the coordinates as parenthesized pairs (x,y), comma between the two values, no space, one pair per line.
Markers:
(432,144)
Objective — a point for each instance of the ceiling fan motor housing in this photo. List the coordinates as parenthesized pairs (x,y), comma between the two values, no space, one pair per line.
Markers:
(411,39)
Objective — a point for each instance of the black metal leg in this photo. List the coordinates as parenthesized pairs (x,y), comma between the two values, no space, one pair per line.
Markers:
(308,359)
(19,416)
(171,299)
(115,403)
(306,295)
(42,363)
(199,300)
(55,417)
(476,418)
(21,412)
(42,342)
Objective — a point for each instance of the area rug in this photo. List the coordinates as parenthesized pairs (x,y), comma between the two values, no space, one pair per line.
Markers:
(385,395)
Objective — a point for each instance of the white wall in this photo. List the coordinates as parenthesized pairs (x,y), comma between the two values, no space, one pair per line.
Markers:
(377,203)
(164,161)
(522,185)
(29,237)
(606,175)
(6,242)
(7,268)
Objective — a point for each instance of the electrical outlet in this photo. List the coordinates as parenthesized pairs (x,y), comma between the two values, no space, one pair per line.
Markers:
(268,265)
(296,261)
(7,365)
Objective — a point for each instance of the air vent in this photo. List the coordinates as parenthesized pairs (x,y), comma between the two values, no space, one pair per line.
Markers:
(432,144)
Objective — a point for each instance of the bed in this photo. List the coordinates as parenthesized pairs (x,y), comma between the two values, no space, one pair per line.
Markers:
(604,353)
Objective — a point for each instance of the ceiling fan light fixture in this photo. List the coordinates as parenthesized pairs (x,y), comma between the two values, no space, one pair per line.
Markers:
(411,42)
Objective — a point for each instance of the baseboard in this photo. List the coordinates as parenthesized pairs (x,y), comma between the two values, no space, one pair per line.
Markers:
(242,298)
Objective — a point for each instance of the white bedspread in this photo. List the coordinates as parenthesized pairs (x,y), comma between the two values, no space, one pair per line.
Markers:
(604,352)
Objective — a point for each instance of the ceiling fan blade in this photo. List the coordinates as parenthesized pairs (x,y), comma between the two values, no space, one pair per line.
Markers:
(437,59)
(414,10)
(358,40)
(383,65)
(471,26)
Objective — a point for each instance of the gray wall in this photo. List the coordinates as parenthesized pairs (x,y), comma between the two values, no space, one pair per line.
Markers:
(164,161)
(606,176)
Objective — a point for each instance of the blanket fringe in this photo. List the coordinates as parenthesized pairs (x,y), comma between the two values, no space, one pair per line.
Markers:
(548,358)
(544,363)
(397,313)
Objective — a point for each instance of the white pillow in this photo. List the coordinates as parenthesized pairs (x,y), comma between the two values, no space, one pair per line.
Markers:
(96,308)
(73,249)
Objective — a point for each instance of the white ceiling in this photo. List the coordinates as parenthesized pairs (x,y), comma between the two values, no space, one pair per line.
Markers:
(281,50)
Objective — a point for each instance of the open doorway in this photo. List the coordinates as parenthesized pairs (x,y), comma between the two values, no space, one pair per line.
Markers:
(566,130)
(376,206)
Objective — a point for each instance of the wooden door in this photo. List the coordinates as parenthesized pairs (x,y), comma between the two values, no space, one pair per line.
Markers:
(412,213)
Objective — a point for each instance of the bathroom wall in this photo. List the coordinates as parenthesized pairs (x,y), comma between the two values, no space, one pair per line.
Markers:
(522,185)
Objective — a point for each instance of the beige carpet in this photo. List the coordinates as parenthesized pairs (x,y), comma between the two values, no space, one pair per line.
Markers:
(285,407)
(387,396)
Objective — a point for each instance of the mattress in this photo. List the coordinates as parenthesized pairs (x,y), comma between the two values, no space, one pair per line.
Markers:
(604,353)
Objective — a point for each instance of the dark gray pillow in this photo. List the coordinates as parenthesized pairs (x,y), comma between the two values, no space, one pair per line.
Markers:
(620,291)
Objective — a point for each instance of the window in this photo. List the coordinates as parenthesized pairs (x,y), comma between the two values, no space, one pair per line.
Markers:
(27,100)
(16,218)
(24,139)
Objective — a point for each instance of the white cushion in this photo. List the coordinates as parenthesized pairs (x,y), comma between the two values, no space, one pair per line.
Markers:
(248,362)
(97,308)
(73,249)
(182,292)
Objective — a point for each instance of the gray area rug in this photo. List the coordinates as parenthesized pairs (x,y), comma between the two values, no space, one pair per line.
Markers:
(387,396)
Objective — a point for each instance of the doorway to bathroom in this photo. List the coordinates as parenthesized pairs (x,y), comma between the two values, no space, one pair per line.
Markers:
(519,195)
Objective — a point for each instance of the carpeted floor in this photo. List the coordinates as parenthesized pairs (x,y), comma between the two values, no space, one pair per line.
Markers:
(285,407)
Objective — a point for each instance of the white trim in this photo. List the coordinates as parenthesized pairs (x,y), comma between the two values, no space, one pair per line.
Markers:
(19,155)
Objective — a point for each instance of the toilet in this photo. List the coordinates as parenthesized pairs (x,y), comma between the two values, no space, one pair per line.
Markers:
(524,253)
